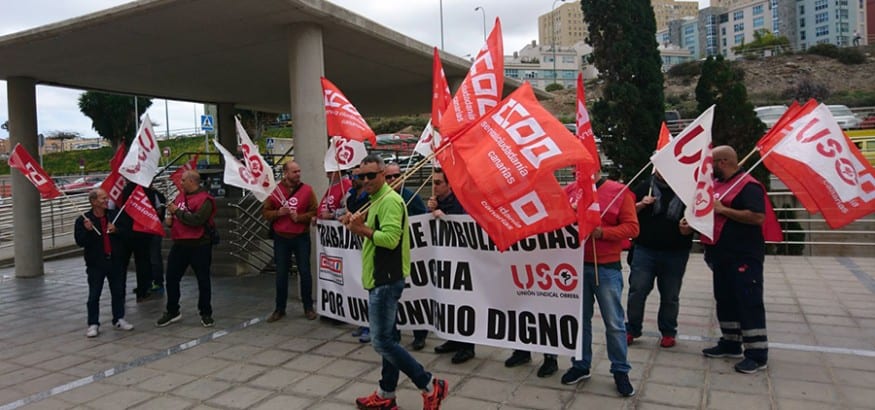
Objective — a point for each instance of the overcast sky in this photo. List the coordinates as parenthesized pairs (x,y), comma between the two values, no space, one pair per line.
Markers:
(463,34)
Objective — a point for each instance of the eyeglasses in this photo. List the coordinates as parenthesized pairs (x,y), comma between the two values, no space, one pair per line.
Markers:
(369,175)
(393,176)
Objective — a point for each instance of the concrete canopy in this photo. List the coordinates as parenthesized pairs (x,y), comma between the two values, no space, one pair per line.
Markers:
(227,51)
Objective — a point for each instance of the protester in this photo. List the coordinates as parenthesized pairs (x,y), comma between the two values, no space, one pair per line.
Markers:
(156,259)
(415,206)
(603,281)
(735,256)
(290,209)
(191,221)
(136,243)
(385,265)
(332,203)
(95,232)
(444,202)
(660,253)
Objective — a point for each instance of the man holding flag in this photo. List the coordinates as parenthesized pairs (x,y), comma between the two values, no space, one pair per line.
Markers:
(735,255)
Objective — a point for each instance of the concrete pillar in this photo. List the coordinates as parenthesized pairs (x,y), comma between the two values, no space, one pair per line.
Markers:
(306,65)
(26,211)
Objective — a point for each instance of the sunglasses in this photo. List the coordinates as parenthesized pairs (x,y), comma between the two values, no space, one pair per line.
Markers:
(369,175)
(393,176)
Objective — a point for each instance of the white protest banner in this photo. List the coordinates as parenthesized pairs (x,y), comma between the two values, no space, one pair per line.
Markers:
(462,288)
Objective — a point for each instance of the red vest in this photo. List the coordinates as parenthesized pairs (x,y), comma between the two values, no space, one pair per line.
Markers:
(191,203)
(611,216)
(771,227)
(298,203)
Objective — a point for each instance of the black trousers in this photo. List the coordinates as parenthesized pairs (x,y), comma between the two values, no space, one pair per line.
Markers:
(140,247)
(199,257)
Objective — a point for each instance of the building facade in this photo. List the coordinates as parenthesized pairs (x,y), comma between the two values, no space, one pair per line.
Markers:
(535,64)
(563,26)
(829,22)
(668,10)
(739,25)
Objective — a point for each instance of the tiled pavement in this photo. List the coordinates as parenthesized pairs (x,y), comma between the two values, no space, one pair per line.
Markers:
(821,318)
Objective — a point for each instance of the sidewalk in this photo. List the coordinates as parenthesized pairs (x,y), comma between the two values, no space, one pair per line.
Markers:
(821,320)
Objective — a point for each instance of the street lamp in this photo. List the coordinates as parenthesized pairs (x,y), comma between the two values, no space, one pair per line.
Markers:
(441,3)
(484,20)
(553,36)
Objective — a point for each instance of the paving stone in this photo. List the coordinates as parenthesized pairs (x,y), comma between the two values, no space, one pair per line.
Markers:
(164,403)
(271,357)
(202,389)
(719,400)
(345,368)
(119,399)
(316,385)
(538,397)
(239,372)
(677,376)
(284,402)
(859,397)
(483,389)
(202,366)
(800,390)
(672,395)
(165,382)
(277,379)
(803,372)
(240,397)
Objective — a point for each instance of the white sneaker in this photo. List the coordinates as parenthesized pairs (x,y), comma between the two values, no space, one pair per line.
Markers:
(122,324)
(92,331)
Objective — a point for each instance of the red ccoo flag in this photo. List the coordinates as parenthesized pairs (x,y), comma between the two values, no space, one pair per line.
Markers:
(440,93)
(22,161)
(664,136)
(144,215)
(342,118)
(176,176)
(114,182)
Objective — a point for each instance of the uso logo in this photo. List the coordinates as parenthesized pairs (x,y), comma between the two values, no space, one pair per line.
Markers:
(543,279)
(331,268)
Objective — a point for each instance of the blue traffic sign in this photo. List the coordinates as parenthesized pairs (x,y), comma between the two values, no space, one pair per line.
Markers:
(207,123)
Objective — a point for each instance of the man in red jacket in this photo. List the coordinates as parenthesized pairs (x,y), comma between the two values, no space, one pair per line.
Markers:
(603,281)
(190,216)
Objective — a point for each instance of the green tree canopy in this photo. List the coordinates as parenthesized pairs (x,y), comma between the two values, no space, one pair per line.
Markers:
(112,115)
(628,116)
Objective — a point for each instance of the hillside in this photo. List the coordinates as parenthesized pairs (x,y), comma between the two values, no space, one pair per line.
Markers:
(766,80)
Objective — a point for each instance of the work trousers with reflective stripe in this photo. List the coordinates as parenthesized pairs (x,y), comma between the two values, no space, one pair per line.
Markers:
(738,290)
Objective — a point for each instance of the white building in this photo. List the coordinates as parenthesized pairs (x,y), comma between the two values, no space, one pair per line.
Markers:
(542,65)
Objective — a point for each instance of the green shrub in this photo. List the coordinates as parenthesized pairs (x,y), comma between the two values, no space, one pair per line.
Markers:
(826,50)
(851,56)
(688,69)
(554,87)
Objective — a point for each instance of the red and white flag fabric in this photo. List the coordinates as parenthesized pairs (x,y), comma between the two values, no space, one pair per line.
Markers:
(257,165)
(584,126)
(144,215)
(344,153)
(342,118)
(543,207)
(481,90)
(583,197)
(114,183)
(815,159)
(664,136)
(22,161)
(176,176)
(239,175)
(440,100)
(141,163)
(516,146)
(687,166)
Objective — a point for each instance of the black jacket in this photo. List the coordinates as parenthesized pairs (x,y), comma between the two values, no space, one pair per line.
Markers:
(92,242)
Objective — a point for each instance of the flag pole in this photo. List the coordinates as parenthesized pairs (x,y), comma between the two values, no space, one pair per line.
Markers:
(625,187)
(419,189)
(737,181)
(755,149)
(81,211)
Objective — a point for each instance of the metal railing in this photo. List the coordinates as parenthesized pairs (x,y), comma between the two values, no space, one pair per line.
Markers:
(58,218)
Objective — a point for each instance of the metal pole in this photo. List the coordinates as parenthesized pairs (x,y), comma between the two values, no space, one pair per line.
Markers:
(166,120)
(484,20)
(442,24)
(136,118)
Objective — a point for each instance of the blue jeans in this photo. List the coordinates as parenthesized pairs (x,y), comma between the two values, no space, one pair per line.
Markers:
(382,311)
(609,295)
(667,268)
(283,249)
(111,273)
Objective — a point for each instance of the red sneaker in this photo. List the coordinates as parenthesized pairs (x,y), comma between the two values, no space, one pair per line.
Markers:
(375,402)
(667,341)
(432,401)
(629,339)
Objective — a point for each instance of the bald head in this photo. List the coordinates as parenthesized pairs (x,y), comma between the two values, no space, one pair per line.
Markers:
(191,181)
(725,161)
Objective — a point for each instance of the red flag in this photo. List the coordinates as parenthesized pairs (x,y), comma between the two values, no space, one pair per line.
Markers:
(664,136)
(543,208)
(584,126)
(583,196)
(144,215)
(482,88)
(815,159)
(516,146)
(176,176)
(22,161)
(342,118)
(440,94)
(114,182)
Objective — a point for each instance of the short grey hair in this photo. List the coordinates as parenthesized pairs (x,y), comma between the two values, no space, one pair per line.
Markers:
(374,159)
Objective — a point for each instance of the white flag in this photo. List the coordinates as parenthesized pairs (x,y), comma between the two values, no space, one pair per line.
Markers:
(258,167)
(344,153)
(428,141)
(686,165)
(238,175)
(141,163)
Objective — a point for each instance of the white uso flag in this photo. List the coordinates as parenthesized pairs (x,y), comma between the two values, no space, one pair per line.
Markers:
(238,175)
(344,153)
(686,165)
(141,163)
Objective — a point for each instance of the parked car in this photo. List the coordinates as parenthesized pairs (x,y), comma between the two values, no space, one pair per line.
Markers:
(770,114)
(865,142)
(79,185)
(845,117)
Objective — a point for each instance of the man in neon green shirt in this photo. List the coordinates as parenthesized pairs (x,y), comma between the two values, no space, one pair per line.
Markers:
(385,264)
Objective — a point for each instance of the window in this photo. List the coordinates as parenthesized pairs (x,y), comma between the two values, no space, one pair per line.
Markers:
(759,22)
(821,5)
(801,23)
(512,73)
(757,10)
(842,14)
(821,17)
(723,31)
(802,35)
(801,9)
(739,39)
(821,31)
(568,60)
(738,27)
(738,15)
